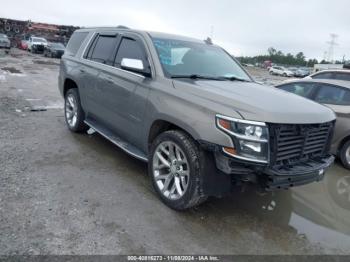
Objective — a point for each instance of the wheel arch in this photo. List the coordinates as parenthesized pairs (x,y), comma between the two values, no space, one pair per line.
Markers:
(342,143)
(159,126)
(68,84)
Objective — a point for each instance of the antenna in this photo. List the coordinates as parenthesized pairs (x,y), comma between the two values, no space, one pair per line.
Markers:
(332,44)
(211,32)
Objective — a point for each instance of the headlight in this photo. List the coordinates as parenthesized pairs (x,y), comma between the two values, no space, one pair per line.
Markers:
(250,138)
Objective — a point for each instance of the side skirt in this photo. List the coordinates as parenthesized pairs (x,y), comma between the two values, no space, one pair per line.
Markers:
(127,147)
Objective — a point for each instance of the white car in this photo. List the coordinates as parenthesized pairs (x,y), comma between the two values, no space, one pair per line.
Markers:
(36,44)
(280,70)
(335,74)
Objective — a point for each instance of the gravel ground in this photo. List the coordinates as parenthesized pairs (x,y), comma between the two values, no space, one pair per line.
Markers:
(63,193)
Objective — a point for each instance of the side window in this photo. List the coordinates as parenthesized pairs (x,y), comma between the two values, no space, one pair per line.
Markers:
(333,95)
(103,49)
(74,43)
(342,76)
(325,75)
(301,89)
(129,48)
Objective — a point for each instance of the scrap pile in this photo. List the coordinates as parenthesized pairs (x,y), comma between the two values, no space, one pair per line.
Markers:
(18,30)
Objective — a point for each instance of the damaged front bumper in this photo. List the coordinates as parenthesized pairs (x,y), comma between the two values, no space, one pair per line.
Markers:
(274,177)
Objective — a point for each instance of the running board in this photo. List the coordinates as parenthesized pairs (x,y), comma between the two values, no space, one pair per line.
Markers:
(125,146)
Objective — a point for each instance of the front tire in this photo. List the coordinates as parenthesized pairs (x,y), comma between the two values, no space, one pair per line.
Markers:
(73,112)
(345,155)
(175,170)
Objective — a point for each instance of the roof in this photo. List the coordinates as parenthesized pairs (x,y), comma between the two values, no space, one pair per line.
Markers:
(333,70)
(173,36)
(152,34)
(341,83)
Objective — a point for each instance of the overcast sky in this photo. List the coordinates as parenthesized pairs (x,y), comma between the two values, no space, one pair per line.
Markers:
(242,27)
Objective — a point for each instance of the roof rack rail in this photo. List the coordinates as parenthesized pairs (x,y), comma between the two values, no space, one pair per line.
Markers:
(122,27)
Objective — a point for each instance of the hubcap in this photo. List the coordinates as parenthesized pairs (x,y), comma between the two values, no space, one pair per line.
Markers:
(347,154)
(71,110)
(171,170)
(343,187)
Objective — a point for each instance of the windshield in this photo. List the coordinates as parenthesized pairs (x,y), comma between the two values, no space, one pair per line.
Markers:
(57,45)
(40,40)
(186,58)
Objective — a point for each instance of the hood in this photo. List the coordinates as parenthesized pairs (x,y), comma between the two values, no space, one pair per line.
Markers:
(257,102)
(57,49)
(4,40)
(39,43)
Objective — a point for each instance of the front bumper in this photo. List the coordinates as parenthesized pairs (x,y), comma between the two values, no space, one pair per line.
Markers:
(5,45)
(296,175)
(38,48)
(274,178)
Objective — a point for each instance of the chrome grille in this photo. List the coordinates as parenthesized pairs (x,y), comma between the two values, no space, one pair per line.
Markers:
(294,143)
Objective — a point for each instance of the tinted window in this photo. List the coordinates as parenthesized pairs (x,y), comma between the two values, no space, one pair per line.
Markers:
(301,89)
(129,48)
(75,42)
(103,49)
(325,75)
(329,94)
(342,76)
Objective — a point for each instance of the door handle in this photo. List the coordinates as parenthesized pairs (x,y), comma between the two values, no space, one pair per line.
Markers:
(82,70)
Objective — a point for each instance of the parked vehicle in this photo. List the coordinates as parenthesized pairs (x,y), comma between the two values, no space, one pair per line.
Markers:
(36,44)
(280,70)
(336,95)
(54,50)
(23,44)
(189,109)
(341,74)
(302,72)
(5,41)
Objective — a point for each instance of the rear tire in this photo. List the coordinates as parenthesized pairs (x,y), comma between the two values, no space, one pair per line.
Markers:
(73,112)
(179,182)
(345,155)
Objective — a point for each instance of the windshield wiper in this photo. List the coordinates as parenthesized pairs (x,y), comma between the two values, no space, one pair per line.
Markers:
(195,76)
(234,78)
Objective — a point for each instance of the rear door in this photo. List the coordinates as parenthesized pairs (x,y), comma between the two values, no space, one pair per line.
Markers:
(97,58)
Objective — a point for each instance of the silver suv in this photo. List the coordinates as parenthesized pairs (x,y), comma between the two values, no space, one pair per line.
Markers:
(189,109)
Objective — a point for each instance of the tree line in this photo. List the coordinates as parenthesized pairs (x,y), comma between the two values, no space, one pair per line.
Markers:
(278,57)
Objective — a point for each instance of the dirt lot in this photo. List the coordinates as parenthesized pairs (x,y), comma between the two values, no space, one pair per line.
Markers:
(62,193)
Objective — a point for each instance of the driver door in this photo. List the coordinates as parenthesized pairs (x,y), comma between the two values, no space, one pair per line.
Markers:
(126,90)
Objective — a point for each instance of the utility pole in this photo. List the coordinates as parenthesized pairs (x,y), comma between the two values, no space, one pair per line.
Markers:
(332,44)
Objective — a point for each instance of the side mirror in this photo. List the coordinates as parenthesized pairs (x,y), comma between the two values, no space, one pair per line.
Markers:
(134,65)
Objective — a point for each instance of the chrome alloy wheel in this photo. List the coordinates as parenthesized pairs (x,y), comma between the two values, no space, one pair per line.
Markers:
(71,110)
(171,170)
(347,154)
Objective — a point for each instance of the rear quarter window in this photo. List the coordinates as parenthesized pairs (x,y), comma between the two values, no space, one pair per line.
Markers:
(324,75)
(75,42)
(342,76)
